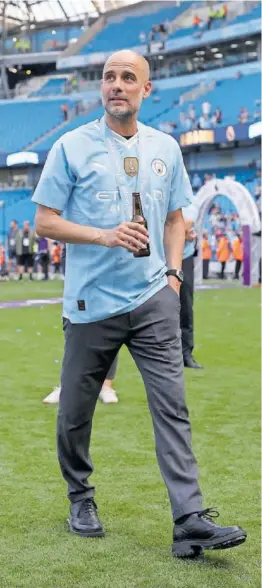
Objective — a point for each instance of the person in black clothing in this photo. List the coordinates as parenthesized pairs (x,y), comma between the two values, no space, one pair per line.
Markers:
(25,239)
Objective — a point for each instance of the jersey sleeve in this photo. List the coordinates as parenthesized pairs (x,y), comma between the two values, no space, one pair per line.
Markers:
(181,194)
(57,180)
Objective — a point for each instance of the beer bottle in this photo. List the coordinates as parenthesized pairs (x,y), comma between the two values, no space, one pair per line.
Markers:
(139,218)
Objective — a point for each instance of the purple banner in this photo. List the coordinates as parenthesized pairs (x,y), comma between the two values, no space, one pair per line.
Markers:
(247,255)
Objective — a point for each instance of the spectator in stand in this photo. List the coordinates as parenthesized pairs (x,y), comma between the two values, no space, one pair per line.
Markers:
(11,247)
(74,84)
(25,240)
(204,122)
(207,178)
(243,116)
(192,113)
(64,109)
(219,116)
(224,12)
(206,108)
(213,120)
(167,127)
(257,112)
(212,15)
(196,21)
(238,255)
(206,254)
(187,124)
(142,37)
(223,253)
(196,182)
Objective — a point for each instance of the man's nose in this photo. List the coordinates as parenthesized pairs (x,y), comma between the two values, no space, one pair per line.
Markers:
(118,85)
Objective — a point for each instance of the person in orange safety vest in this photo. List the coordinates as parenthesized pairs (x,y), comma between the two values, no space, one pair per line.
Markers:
(223,253)
(56,257)
(206,254)
(238,255)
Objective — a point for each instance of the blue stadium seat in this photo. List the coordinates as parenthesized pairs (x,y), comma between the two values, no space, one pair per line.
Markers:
(121,35)
(54,86)
(23,122)
(243,93)
(220,23)
(83,119)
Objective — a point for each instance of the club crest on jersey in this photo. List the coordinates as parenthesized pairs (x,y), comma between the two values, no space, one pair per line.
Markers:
(131,165)
(159,167)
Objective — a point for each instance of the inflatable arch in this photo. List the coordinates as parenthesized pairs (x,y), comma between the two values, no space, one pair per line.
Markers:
(249,220)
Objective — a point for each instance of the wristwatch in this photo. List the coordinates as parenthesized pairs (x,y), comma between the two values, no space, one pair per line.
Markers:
(176,273)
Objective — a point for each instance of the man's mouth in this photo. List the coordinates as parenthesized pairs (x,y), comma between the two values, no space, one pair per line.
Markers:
(116,99)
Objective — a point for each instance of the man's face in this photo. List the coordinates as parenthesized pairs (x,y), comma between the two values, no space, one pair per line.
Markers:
(123,88)
(26,226)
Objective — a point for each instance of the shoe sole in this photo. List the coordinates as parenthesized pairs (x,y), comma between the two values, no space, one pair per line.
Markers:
(195,548)
(89,534)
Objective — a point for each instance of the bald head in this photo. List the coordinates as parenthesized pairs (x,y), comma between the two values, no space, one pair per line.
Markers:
(125,84)
(129,58)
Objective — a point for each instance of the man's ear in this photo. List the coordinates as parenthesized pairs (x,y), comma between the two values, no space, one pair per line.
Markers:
(147,89)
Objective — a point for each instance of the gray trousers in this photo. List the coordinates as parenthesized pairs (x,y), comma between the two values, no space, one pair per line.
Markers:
(152,334)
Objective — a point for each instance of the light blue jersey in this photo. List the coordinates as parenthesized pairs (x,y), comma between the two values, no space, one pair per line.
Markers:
(85,177)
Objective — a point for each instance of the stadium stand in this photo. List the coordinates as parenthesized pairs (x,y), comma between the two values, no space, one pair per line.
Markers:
(126,32)
(219,23)
(243,92)
(54,86)
(164,105)
(46,144)
(24,122)
(39,119)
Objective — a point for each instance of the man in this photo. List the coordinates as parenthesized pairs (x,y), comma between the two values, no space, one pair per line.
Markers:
(44,256)
(112,297)
(25,240)
(11,240)
(206,254)
(238,254)
(187,290)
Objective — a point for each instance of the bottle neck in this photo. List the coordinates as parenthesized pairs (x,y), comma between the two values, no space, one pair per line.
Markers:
(137,206)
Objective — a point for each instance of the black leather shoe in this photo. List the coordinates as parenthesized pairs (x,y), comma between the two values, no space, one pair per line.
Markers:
(190,362)
(83,519)
(199,532)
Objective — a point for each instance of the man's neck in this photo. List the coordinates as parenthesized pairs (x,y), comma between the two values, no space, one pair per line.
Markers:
(126,128)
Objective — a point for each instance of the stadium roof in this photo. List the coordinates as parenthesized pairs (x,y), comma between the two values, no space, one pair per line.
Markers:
(19,12)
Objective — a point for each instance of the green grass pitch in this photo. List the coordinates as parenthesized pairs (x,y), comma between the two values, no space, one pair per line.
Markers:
(36,551)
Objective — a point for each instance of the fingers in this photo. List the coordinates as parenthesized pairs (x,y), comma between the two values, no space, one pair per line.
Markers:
(129,246)
(136,227)
(132,234)
(132,241)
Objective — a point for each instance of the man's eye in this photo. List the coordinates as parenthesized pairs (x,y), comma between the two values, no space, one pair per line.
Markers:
(129,77)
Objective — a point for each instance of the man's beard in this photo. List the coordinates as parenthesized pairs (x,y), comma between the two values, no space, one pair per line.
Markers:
(121,115)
